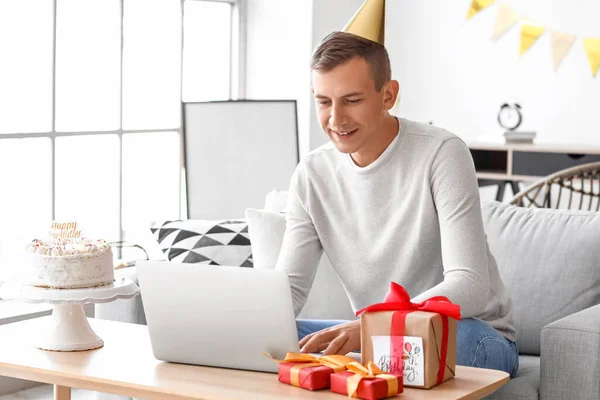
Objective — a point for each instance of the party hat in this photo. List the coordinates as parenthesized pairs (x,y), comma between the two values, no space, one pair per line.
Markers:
(369,21)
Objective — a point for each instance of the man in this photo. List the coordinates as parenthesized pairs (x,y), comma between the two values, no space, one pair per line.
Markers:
(389,200)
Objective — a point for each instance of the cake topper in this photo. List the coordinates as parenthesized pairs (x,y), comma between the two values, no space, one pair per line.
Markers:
(64,230)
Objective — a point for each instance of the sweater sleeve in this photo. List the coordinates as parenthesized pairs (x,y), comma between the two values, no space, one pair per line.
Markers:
(464,250)
(301,249)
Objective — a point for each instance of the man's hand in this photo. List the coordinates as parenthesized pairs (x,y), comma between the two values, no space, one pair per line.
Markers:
(339,339)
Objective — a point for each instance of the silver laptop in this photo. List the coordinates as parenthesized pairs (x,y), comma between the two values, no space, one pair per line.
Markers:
(218,316)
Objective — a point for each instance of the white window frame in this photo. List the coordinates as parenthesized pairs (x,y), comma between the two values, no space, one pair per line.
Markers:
(11,312)
(237,90)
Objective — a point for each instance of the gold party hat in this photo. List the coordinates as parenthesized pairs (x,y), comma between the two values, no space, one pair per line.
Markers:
(369,21)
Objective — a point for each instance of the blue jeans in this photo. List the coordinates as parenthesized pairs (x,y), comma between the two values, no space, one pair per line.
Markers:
(478,343)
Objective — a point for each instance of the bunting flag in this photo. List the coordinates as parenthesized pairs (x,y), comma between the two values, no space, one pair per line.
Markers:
(478,5)
(561,44)
(505,19)
(530,33)
(592,49)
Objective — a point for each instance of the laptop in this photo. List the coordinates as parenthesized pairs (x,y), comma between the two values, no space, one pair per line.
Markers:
(218,316)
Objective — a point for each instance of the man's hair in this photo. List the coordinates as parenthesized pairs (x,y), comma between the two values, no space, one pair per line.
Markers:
(339,47)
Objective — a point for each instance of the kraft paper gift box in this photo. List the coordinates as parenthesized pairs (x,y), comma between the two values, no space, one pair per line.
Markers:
(310,372)
(366,382)
(398,336)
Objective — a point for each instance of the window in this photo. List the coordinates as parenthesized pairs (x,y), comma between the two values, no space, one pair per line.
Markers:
(90,110)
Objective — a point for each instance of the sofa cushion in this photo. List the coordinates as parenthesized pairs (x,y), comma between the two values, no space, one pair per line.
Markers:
(276,200)
(327,298)
(205,242)
(548,259)
(524,386)
(265,229)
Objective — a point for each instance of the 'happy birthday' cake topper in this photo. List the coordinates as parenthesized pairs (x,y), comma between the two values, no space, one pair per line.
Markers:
(63,230)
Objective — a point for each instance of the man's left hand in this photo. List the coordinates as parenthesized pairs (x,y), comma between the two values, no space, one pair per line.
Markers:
(338,339)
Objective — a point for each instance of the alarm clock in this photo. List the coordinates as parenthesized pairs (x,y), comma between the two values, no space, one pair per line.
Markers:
(509,116)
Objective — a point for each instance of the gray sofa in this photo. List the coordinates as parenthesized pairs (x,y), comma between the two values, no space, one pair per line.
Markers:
(549,260)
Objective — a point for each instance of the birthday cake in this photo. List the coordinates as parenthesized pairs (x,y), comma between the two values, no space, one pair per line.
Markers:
(67,261)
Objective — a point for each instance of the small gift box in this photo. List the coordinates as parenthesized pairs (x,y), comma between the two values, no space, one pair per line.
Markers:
(368,383)
(310,372)
(418,340)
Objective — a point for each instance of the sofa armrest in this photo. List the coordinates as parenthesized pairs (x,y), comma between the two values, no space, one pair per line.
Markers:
(570,366)
(123,310)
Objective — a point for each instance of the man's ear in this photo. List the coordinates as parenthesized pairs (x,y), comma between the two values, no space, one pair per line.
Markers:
(390,93)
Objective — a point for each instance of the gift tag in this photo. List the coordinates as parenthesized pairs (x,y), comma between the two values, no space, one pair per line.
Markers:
(397,353)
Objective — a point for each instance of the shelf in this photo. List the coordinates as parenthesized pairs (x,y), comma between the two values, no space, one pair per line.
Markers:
(491,161)
(527,162)
(506,177)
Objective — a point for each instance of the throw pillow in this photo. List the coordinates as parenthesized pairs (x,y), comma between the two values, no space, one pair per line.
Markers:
(205,242)
(327,298)
(276,200)
(548,259)
(266,231)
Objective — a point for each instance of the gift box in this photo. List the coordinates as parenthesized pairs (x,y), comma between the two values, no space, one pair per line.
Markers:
(368,383)
(310,372)
(418,340)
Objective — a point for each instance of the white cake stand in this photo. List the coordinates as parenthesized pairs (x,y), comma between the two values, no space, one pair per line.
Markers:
(67,329)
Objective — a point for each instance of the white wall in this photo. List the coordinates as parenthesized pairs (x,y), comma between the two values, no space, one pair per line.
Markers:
(278,55)
(453,74)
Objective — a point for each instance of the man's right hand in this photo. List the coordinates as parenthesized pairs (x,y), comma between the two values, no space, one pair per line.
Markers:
(338,339)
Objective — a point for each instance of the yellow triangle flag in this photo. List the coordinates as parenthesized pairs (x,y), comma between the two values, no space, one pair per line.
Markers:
(592,49)
(561,44)
(369,21)
(529,34)
(506,18)
(478,5)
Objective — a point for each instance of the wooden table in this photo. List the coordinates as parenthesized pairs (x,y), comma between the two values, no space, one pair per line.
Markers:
(126,366)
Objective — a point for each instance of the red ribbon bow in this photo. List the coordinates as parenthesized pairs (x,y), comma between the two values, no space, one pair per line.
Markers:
(397,299)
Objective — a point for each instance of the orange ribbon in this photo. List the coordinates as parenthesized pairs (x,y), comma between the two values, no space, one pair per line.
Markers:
(336,362)
(371,371)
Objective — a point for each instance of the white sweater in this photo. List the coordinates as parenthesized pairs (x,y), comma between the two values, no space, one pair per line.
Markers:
(412,216)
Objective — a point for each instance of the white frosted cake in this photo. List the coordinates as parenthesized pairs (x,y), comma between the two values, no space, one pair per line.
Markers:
(68,263)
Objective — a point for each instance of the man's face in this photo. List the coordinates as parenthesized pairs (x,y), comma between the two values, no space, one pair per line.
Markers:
(349,108)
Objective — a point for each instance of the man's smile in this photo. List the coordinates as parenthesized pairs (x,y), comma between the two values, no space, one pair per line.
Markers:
(344,133)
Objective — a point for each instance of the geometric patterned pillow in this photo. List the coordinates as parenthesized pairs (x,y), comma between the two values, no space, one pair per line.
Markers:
(205,242)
